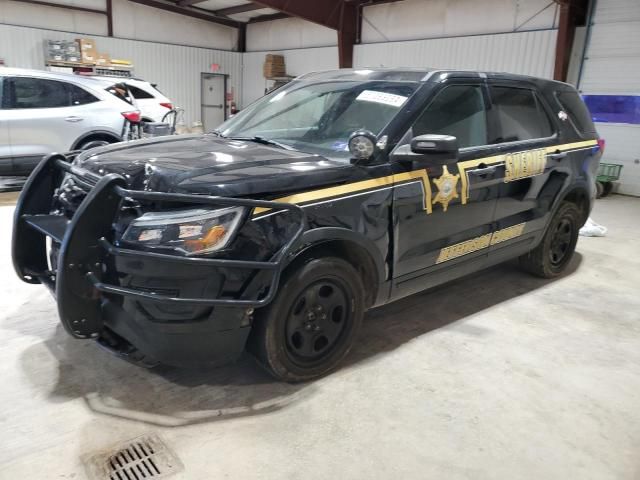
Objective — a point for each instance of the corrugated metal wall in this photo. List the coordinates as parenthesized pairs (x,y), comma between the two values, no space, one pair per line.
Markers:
(612,67)
(529,53)
(300,61)
(176,69)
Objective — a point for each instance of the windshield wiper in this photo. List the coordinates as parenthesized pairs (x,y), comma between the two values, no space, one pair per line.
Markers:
(263,141)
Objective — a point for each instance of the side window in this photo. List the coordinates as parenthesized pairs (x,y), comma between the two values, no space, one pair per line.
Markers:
(458,110)
(38,93)
(578,113)
(2,97)
(138,93)
(80,96)
(520,115)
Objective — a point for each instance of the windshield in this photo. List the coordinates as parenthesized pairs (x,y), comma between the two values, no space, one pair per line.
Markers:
(320,117)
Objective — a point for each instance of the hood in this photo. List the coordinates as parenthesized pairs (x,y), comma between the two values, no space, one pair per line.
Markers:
(208,164)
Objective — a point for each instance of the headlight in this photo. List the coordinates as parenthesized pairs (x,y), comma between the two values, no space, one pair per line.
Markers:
(190,232)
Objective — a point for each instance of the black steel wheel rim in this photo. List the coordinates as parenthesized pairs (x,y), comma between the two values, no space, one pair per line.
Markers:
(317,322)
(561,241)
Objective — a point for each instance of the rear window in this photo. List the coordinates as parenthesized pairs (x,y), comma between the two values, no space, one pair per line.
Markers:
(121,91)
(577,111)
(139,94)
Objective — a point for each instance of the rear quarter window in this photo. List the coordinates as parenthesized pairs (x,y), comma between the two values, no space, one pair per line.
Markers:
(139,94)
(577,111)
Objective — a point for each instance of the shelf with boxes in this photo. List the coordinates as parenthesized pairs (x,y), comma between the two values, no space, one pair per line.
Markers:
(82,56)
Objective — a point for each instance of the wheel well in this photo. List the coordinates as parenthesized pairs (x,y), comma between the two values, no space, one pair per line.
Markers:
(580,198)
(357,256)
(95,136)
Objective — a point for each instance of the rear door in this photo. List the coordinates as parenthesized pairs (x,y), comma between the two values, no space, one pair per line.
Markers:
(443,215)
(527,139)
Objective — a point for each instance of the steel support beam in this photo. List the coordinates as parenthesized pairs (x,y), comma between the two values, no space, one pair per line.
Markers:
(572,13)
(60,5)
(189,12)
(109,18)
(348,33)
(268,18)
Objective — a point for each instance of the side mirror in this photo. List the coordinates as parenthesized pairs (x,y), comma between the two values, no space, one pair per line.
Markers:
(439,149)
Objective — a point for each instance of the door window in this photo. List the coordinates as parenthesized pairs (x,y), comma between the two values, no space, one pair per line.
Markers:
(38,93)
(458,110)
(79,96)
(520,115)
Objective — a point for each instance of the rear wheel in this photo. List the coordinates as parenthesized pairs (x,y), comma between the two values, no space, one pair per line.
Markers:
(311,325)
(93,143)
(553,254)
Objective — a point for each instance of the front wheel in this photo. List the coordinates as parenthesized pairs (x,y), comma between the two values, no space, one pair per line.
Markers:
(553,254)
(311,325)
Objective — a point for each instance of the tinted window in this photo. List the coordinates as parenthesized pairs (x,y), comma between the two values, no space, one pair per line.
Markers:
(578,113)
(520,115)
(138,93)
(80,96)
(458,110)
(38,93)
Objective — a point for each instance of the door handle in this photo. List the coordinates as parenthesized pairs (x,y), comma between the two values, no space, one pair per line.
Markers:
(73,119)
(558,156)
(483,171)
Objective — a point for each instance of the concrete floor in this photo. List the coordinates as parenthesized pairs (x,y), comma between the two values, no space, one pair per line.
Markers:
(499,376)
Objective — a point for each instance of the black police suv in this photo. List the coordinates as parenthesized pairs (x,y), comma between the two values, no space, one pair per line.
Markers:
(339,192)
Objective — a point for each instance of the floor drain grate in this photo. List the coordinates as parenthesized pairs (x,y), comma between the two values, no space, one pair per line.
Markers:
(145,457)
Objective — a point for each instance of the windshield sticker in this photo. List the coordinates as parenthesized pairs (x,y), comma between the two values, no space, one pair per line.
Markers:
(382,97)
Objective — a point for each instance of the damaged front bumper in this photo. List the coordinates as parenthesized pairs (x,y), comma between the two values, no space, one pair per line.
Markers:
(86,278)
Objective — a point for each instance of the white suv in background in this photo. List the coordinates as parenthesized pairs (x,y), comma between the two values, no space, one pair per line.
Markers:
(44,112)
(153,105)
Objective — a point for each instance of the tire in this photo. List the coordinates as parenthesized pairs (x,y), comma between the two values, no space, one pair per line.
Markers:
(311,325)
(89,144)
(607,188)
(550,258)
(599,189)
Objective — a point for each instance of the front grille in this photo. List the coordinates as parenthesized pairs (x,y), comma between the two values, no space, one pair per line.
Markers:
(145,457)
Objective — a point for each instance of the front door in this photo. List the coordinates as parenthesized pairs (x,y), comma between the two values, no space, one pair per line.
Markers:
(213,101)
(42,119)
(443,215)
(5,145)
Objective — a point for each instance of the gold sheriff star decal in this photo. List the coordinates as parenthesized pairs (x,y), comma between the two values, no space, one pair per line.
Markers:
(446,184)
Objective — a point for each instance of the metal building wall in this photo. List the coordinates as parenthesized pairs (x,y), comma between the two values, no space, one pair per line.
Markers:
(175,69)
(611,79)
(529,53)
(298,61)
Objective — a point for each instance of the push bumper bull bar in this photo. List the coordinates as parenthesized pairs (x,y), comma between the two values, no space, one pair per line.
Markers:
(79,282)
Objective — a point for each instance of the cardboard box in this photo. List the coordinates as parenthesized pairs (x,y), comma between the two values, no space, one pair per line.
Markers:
(86,44)
(274,66)
(89,56)
(103,59)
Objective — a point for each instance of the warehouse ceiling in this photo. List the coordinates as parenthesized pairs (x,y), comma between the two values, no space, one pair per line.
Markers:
(233,9)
